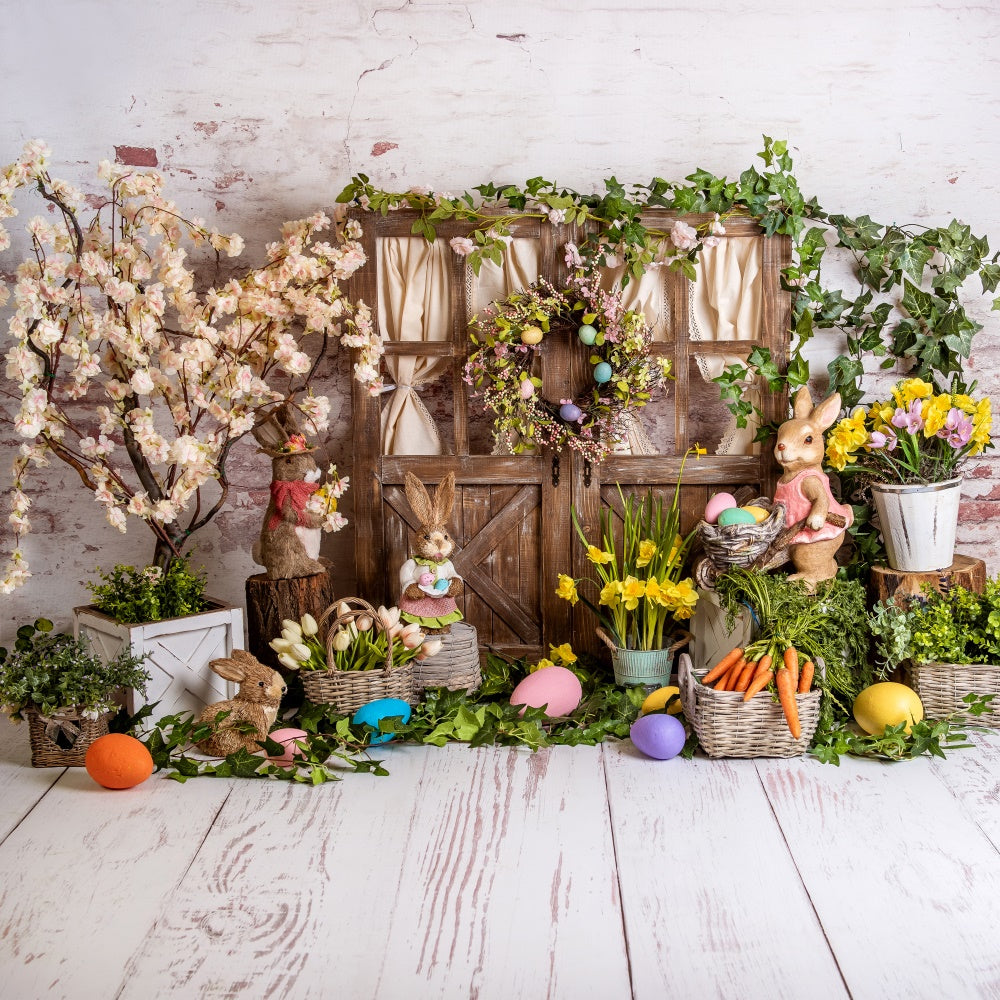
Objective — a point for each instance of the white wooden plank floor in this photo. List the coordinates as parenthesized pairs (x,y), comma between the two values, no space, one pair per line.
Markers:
(493,873)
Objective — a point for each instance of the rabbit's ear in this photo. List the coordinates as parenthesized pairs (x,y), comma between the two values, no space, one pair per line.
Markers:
(419,499)
(827,412)
(802,406)
(444,498)
(230,669)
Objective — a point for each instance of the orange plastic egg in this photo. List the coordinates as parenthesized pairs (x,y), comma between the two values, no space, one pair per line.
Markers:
(118,761)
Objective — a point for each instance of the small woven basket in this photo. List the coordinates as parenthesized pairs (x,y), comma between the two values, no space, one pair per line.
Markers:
(740,544)
(456,666)
(727,726)
(942,686)
(643,666)
(46,749)
(348,690)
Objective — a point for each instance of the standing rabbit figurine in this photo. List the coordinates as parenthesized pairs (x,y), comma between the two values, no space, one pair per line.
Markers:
(290,537)
(428,580)
(804,489)
(256,702)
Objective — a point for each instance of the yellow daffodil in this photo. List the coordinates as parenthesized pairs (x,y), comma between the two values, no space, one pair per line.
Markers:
(598,556)
(654,592)
(632,591)
(647,549)
(910,389)
(611,593)
(567,589)
(564,654)
(541,665)
(935,413)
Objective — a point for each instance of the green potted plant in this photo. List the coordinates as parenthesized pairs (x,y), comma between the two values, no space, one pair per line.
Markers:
(65,691)
(948,645)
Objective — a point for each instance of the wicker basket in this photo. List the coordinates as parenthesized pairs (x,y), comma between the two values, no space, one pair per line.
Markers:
(348,690)
(942,686)
(737,544)
(47,733)
(649,667)
(456,666)
(727,726)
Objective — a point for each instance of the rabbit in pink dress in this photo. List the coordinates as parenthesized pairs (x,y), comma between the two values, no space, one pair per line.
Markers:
(804,489)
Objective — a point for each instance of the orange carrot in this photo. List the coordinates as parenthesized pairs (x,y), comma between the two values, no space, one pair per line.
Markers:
(786,695)
(763,665)
(723,665)
(746,675)
(806,677)
(792,662)
(760,681)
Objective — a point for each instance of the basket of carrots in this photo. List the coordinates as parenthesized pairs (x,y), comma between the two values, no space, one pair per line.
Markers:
(758,701)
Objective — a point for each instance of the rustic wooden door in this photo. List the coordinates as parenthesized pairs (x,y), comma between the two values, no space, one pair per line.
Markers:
(512,516)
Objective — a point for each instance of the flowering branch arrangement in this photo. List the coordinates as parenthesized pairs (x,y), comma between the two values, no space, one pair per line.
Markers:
(641,589)
(360,644)
(140,380)
(916,436)
(503,367)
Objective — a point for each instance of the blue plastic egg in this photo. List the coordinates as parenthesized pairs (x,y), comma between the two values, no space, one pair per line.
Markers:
(602,372)
(381,708)
(442,584)
(570,412)
(587,334)
(736,515)
(658,736)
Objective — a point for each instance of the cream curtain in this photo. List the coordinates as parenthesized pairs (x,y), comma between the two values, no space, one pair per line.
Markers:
(413,304)
(726,304)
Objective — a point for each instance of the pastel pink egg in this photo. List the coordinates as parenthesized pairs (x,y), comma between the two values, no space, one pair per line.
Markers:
(287,738)
(555,688)
(718,503)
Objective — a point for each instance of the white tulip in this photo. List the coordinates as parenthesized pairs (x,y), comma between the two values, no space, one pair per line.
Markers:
(280,645)
(300,651)
(431,647)
(341,641)
(287,660)
(291,637)
(309,626)
(364,623)
(287,623)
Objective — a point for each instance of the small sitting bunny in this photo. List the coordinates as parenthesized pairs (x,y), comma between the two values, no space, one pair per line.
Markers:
(428,580)
(256,701)
(804,489)
(290,536)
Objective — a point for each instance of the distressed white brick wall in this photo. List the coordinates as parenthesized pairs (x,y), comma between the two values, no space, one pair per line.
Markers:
(260,112)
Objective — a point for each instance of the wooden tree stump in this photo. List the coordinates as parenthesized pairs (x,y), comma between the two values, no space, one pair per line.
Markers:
(965,572)
(269,601)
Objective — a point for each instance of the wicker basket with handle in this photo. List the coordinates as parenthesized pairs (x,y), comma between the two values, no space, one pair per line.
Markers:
(47,734)
(942,686)
(727,726)
(348,690)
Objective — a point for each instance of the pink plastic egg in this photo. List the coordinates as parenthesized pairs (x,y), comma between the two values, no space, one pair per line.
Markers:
(718,503)
(556,689)
(659,736)
(287,738)
(527,388)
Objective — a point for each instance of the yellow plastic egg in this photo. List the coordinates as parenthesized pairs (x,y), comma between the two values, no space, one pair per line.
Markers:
(531,335)
(657,699)
(887,704)
(759,513)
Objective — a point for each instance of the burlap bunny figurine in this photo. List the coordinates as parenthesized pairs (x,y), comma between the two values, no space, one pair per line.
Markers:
(804,489)
(257,702)
(428,580)
(290,536)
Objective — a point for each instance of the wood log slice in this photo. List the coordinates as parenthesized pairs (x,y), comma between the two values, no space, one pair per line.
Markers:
(269,601)
(965,571)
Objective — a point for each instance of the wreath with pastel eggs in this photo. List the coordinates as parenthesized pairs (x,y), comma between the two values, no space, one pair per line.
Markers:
(503,366)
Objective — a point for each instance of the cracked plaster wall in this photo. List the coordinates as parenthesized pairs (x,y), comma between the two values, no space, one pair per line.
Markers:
(257,113)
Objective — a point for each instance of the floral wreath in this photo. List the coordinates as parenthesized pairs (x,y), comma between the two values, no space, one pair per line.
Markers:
(502,366)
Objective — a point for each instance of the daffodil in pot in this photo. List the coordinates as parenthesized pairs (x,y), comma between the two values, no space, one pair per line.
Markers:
(641,594)
(912,446)
(65,691)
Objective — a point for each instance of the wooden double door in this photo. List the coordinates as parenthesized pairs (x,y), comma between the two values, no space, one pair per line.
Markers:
(512,516)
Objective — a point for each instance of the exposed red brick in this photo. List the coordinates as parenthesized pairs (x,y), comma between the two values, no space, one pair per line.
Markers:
(136,156)
(381,148)
(978,510)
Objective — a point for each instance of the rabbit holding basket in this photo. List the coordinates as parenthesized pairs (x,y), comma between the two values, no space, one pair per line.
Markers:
(428,580)
(817,522)
(289,540)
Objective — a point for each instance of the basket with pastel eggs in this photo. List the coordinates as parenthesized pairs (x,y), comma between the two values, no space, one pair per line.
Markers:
(735,534)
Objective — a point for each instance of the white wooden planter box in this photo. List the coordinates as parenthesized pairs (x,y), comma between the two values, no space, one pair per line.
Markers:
(178,653)
(711,639)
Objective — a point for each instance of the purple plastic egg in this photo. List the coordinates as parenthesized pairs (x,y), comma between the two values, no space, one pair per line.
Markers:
(659,736)
(570,412)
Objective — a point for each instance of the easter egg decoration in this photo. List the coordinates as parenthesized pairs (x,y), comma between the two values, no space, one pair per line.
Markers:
(118,761)
(287,738)
(531,335)
(657,701)
(442,585)
(527,388)
(570,412)
(587,334)
(735,515)
(659,736)
(375,711)
(602,372)
(887,704)
(760,514)
(717,504)
(557,689)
